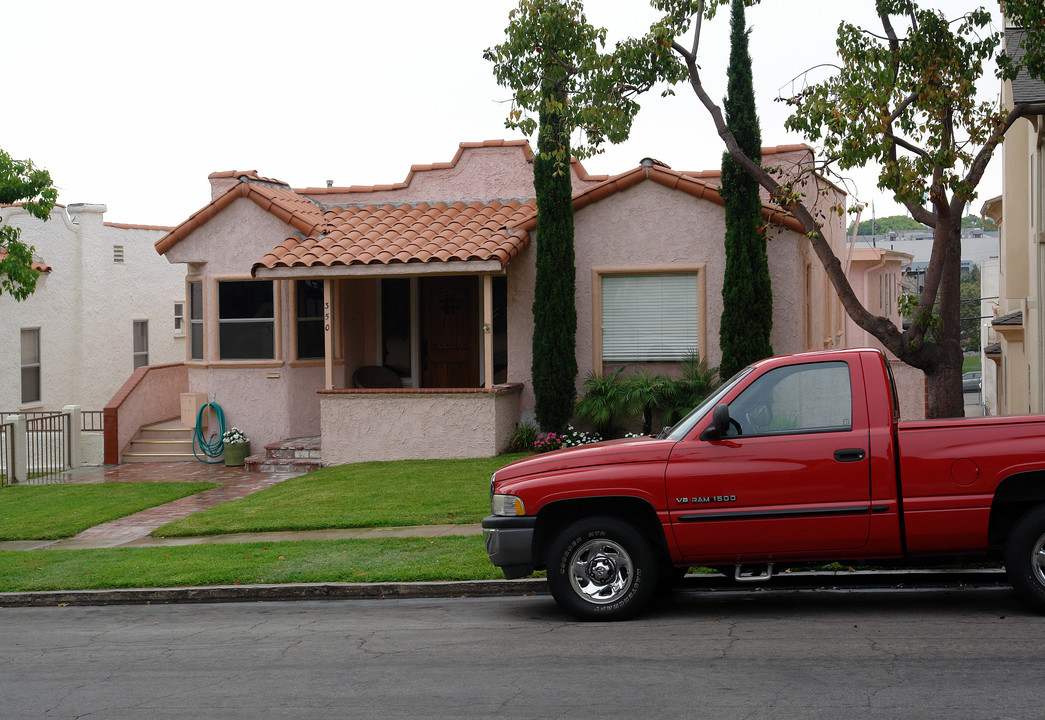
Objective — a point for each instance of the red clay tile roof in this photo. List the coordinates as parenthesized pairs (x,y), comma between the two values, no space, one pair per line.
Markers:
(407,233)
(35,265)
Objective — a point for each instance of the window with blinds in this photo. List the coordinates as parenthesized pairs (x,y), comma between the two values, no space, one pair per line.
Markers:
(650,317)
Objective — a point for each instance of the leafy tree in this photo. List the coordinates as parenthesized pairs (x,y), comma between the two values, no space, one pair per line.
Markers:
(970,302)
(21,182)
(747,293)
(902,98)
(549,50)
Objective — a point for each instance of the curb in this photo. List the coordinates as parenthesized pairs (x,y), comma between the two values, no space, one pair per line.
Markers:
(843,580)
(297,591)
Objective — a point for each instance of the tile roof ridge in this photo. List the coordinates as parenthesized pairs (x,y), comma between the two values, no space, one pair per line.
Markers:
(264,194)
(132,226)
(246,176)
(428,201)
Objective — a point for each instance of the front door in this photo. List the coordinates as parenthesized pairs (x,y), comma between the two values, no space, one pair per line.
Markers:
(450,328)
(792,475)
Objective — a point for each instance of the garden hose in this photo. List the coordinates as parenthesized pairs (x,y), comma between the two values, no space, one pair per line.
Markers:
(211,448)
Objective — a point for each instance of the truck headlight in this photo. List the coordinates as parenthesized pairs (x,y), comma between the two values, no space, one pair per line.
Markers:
(506,505)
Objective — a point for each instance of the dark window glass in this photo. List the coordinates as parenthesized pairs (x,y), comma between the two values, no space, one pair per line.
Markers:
(310,318)
(246,325)
(196,320)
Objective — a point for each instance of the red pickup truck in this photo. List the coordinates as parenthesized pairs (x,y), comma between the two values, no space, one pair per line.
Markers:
(796,459)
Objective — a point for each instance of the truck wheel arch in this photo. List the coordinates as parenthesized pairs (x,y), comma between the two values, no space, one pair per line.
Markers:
(1014,497)
(554,517)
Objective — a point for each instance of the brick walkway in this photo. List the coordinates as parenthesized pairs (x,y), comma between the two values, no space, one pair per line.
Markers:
(235,483)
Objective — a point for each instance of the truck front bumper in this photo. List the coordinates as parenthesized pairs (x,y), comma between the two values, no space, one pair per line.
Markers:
(509,543)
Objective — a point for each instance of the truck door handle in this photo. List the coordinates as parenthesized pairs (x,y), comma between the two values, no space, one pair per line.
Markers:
(849,455)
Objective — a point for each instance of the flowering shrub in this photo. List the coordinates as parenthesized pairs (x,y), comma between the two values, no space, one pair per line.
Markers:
(573,437)
(233,436)
(546,442)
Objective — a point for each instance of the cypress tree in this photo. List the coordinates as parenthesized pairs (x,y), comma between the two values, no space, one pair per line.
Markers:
(554,368)
(747,296)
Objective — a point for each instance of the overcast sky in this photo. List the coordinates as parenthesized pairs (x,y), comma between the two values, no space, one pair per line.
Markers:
(132,104)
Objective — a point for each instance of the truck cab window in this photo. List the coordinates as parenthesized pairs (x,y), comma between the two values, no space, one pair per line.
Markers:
(814,397)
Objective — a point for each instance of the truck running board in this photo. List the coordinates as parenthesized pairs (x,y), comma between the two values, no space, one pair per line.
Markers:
(763,574)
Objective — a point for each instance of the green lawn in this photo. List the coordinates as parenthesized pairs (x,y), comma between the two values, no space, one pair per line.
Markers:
(970,363)
(362,495)
(376,494)
(48,512)
(382,560)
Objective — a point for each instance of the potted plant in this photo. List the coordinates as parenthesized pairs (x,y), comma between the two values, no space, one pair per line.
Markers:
(236,446)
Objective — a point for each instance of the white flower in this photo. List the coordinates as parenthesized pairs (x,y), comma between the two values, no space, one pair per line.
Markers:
(233,436)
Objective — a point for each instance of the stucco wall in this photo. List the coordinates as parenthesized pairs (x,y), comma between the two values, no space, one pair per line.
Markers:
(85,307)
(479,174)
(367,426)
(651,226)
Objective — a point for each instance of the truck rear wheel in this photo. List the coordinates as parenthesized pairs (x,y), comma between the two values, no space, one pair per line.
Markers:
(601,568)
(1025,558)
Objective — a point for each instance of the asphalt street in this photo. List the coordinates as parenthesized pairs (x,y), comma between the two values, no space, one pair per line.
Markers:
(871,653)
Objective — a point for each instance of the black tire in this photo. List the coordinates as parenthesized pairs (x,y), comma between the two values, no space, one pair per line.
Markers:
(601,568)
(1025,558)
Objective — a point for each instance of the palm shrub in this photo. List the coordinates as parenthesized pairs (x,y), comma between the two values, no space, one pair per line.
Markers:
(604,400)
(648,393)
(696,383)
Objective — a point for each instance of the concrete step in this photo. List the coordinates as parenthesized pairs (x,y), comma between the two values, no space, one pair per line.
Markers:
(166,441)
(136,457)
(291,455)
(262,464)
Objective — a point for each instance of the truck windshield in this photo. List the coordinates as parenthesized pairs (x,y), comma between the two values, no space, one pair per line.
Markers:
(682,428)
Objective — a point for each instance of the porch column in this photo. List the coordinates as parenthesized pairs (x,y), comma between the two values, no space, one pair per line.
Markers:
(328,333)
(488,331)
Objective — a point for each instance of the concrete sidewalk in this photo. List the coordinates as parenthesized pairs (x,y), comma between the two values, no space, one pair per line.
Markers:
(101,540)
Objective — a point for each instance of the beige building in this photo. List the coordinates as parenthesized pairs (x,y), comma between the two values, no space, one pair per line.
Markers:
(1017,341)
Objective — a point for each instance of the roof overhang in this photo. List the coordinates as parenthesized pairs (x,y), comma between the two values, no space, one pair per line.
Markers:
(312,272)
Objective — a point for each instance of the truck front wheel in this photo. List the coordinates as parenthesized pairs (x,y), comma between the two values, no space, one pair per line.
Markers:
(601,568)
(1025,558)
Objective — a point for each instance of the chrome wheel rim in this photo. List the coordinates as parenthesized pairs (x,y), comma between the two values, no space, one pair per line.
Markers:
(601,571)
(1037,560)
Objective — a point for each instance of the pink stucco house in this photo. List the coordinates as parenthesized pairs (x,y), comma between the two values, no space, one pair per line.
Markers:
(292,291)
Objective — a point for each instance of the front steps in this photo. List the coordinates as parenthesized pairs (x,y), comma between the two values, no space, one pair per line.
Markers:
(170,441)
(167,441)
(294,455)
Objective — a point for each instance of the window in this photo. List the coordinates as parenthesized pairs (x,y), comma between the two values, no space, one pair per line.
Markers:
(141,343)
(246,321)
(309,294)
(179,319)
(195,321)
(395,325)
(31,365)
(650,317)
(814,397)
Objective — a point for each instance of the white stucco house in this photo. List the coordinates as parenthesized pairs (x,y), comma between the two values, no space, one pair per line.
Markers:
(104,305)
(294,296)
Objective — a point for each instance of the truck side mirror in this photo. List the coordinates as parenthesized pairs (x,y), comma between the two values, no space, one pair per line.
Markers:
(719,423)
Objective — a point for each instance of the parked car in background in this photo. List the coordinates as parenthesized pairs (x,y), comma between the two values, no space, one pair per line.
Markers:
(971,381)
